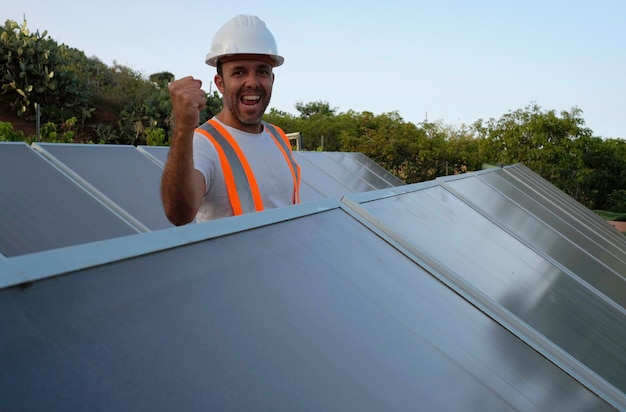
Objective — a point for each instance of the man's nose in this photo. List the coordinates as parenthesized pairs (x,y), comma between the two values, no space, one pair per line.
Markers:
(252,79)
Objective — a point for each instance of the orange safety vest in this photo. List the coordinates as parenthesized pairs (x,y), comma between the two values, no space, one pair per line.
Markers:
(241,185)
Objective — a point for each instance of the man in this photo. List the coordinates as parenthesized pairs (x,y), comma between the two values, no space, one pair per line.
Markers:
(234,163)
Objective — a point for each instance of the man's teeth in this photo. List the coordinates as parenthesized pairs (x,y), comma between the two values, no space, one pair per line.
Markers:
(251,98)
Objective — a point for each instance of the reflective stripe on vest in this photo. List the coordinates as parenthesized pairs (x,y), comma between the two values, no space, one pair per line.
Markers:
(243,191)
(285,147)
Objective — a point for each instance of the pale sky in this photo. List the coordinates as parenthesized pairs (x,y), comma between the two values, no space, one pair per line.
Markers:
(453,61)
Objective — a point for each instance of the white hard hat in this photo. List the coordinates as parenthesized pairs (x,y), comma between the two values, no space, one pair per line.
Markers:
(243,34)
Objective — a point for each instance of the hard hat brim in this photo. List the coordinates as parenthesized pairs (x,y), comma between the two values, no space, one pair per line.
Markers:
(211,59)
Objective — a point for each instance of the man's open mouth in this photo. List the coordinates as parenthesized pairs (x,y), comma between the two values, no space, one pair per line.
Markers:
(250,99)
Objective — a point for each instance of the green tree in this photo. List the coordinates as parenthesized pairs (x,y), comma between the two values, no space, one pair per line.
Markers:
(605,165)
(317,108)
(316,125)
(558,147)
(162,79)
(213,106)
(38,71)
(390,142)
(133,105)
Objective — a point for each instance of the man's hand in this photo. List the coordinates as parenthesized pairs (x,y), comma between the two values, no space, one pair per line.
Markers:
(188,99)
(182,187)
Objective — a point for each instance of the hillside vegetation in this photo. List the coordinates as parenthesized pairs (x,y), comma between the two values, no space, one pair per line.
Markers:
(80,99)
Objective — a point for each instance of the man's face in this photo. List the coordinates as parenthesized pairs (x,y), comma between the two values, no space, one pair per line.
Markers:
(246,85)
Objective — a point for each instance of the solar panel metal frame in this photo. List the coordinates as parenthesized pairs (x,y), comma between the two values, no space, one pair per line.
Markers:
(158,153)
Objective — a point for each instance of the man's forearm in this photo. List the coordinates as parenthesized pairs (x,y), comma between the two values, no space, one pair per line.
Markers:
(178,191)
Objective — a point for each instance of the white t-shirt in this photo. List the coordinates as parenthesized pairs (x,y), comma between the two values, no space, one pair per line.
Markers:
(272,173)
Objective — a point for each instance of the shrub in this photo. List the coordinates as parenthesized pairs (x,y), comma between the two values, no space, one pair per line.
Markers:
(8,134)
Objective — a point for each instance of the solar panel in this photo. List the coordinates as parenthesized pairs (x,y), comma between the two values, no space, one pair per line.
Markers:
(491,290)
(333,167)
(566,207)
(604,235)
(300,308)
(43,209)
(120,173)
(378,169)
(544,232)
(126,180)
(366,169)
(508,277)
(320,180)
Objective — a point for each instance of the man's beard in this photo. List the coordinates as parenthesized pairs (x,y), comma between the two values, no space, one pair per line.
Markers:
(234,108)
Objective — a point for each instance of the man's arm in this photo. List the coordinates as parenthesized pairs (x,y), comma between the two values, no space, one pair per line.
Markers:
(182,186)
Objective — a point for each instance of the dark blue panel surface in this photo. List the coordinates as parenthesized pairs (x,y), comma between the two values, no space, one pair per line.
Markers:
(315,313)
(366,169)
(42,209)
(122,174)
(546,233)
(585,324)
(583,219)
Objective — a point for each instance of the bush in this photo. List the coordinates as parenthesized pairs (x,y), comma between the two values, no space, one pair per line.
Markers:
(50,132)
(616,201)
(155,136)
(8,134)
